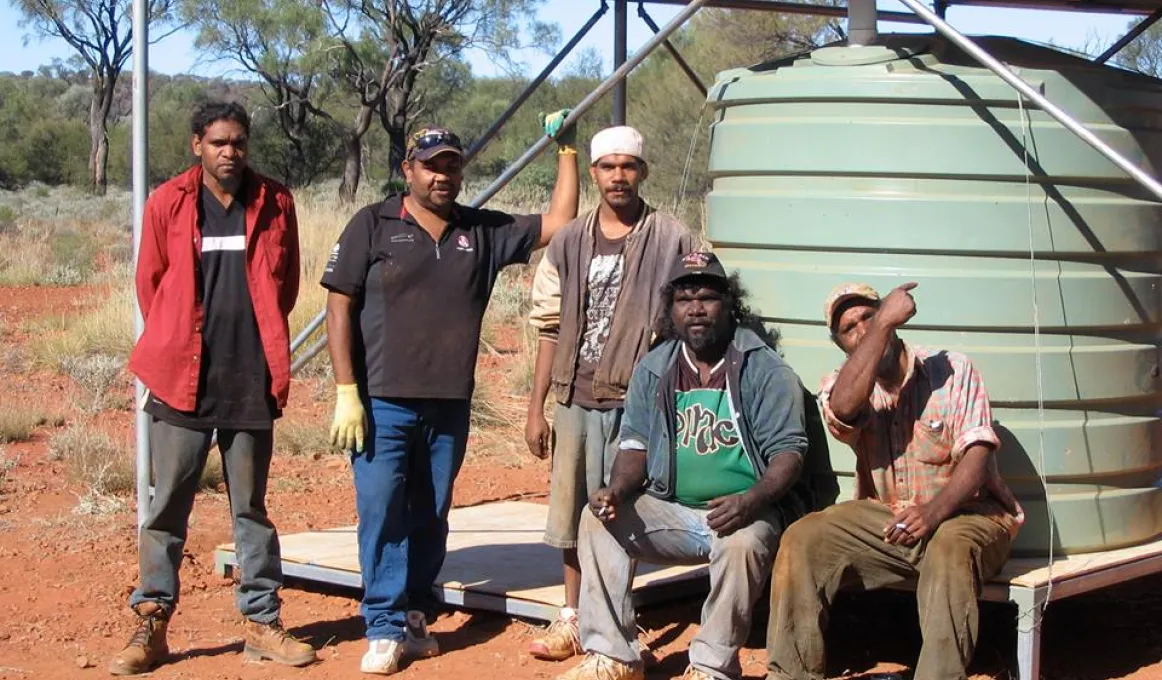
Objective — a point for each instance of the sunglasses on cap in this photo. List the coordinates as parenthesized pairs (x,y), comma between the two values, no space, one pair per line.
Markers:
(430,139)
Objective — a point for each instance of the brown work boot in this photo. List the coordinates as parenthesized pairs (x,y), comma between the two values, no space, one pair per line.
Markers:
(561,640)
(147,648)
(271,641)
(599,667)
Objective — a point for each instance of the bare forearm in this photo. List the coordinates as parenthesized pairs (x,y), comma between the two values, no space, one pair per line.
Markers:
(781,475)
(339,337)
(628,474)
(565,199)
(542,375)
(970,475)
(857,378)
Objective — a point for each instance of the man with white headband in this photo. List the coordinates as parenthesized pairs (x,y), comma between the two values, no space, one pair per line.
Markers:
(595,304)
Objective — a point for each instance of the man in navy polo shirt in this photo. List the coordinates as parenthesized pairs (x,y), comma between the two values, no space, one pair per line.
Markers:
(409,281)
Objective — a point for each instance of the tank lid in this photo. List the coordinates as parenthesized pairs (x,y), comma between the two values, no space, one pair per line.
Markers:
(862,55)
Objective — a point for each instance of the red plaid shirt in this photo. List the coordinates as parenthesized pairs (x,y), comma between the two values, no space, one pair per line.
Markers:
(907,444)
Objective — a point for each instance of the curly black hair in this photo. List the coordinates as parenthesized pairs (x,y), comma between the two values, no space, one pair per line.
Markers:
(209,112)
(734,297)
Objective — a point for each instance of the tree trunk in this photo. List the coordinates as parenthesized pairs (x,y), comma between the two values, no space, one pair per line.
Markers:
(352,168)
(395,123)
(353,154)
(99,108)
(397,133)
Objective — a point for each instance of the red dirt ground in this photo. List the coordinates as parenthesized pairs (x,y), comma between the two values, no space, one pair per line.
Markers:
(66,577)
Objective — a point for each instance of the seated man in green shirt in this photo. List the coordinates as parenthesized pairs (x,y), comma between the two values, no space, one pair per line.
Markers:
(712,443)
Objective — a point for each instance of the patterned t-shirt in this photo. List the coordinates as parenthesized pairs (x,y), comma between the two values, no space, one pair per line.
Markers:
(711,461)
(603,284)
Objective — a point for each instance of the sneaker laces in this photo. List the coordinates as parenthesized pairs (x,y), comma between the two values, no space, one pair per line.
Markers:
(564,627)
(603,667)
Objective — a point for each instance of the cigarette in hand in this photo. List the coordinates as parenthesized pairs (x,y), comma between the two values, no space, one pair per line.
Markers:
(603,511)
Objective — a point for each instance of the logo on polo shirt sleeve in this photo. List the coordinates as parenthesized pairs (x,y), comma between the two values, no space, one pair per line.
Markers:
(332,260)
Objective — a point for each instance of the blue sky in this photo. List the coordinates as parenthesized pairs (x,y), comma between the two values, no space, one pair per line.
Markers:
(176,54)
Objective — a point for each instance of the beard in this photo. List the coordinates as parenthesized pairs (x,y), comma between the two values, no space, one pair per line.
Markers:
(701,338)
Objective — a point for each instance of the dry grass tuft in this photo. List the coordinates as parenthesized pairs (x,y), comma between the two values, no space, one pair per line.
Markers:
(106,469)
(297,438)
(106,328)
(103,380)
(7,464)
(17,424)
(94,461)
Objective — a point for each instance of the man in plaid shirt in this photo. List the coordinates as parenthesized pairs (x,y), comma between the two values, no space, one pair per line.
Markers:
(930,502)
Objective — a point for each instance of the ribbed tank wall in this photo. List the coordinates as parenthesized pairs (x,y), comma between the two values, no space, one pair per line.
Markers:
(910,164)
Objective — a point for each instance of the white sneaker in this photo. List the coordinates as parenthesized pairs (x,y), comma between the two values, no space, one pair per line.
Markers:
(382,657)
(418,643)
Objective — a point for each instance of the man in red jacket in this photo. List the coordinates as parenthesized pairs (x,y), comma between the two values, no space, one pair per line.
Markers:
(217,276)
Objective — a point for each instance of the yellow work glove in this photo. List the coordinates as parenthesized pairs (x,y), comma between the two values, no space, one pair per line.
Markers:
(349,424)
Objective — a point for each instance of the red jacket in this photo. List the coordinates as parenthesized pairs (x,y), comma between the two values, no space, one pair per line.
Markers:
(167,357)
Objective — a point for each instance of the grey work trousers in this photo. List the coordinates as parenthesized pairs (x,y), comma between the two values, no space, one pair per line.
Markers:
(179,455)
(663,532)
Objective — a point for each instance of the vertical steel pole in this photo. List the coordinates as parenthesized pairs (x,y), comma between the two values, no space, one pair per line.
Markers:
(592,98)
(140,188)
(479,144)
(861,22)
(620,29)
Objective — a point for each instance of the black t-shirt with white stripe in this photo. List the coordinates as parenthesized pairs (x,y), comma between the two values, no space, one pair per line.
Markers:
(234,384)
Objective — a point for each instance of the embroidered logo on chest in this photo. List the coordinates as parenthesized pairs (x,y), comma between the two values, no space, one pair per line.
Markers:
(463,244)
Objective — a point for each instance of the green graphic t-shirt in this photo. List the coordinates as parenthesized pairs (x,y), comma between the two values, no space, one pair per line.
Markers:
(710,461)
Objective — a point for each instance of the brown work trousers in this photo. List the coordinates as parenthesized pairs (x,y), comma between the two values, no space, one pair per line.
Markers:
(844,546)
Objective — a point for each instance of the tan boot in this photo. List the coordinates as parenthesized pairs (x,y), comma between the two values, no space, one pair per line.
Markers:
(147,648)
(271,641)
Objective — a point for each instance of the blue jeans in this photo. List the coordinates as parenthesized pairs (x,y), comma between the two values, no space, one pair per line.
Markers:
(403,491)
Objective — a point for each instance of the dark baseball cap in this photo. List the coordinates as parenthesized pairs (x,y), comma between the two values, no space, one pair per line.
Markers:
(429,142)
(698,263)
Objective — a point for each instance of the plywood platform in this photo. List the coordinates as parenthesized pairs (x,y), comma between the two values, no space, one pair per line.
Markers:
(1070,575)
(496,561)
(1032,583)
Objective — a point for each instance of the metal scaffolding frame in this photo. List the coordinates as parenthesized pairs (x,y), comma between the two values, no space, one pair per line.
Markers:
(863,17)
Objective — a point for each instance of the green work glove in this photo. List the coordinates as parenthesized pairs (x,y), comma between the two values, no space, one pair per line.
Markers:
(348,426)
(552,123)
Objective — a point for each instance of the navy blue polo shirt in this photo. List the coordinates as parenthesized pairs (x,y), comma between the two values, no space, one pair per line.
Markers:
(420,303)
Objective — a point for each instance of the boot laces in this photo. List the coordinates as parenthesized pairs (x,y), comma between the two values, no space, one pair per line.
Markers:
(146,626)
(276,629)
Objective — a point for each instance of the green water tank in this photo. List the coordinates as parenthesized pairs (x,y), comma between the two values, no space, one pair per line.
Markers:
(907,161)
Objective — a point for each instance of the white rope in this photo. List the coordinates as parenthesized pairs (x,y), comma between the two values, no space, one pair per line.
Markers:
(689,161)
(1026,133)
